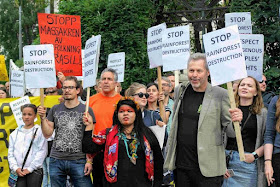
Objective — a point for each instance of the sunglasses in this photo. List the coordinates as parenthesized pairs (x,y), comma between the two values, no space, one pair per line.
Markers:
(262,81)
(140,94)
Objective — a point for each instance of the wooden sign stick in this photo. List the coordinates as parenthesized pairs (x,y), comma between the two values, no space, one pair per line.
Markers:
(236,124)
(161,105)
(42,96)
(176,73)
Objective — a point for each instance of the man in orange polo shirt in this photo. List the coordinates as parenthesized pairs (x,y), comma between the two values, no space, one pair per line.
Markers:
(102,105)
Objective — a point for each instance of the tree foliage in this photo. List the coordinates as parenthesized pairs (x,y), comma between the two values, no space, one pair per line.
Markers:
(9,21)
(265,19)
(123,26)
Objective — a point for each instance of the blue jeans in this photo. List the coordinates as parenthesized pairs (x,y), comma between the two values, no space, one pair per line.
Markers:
(245,174)
(46,177)
(59,169)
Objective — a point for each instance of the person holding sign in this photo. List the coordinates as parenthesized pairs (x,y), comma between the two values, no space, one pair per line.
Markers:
(132,155)
(195,144)
(154,98)
(249,173)
(139,92)
(27,150)
(102,105)
(272,143)
(66,119)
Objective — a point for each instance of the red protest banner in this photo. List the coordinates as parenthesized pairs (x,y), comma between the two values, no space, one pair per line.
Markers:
(64,32)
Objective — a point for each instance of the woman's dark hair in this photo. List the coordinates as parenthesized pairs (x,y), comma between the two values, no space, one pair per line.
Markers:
(152,84)
(34,107)
(4,90)
(139,127)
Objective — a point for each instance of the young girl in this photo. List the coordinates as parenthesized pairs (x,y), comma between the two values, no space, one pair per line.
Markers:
(31,174)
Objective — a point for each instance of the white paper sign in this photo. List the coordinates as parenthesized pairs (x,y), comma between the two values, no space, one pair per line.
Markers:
(253,50)
(17,83)
(116,61)
(39,66)
(224,55)
(91,62)
(175,48)
(242,19)
(159,133)
(154,45)
(15,106)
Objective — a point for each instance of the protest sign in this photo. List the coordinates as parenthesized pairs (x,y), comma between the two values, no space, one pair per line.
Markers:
(159,133)
(154,45)
(226,63)
(91,61)
(253,50)
(64,32)
(175,48)
(13,66)
(3,69)
(224,55)
(17,83)
(7,125)
(242,19)
(39,65)
(116,61)
(16,108)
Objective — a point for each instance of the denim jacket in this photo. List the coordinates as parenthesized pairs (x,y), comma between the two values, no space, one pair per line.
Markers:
(271,136)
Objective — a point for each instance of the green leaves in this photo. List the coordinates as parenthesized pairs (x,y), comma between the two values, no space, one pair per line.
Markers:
(123,27)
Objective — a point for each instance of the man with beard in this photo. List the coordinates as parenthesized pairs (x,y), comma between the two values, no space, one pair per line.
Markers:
(195,143)
(66,119)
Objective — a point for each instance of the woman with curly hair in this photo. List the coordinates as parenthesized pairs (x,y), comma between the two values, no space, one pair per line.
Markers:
(132,155)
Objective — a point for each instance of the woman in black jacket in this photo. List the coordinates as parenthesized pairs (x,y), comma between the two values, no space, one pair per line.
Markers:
(132,155)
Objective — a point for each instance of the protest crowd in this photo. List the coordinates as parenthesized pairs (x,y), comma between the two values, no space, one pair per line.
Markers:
(159,134)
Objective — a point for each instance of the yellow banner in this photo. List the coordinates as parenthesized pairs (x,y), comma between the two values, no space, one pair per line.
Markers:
(3,70)
(8,124)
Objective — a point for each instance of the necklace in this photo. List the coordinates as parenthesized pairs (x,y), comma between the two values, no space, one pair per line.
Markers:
(132,146)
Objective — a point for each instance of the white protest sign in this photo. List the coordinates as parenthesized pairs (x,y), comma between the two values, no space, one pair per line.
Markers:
(159,133)
(91,61)
(224,55)
(16,108)
(116,61)
(242,19)
(175,48)
(39,66)
(80,78)
(154,45)
(253,50)
(17,83)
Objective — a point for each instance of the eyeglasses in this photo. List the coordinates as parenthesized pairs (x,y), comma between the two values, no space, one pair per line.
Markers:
(140,94)
(262,81)
(68,87)
(165,84)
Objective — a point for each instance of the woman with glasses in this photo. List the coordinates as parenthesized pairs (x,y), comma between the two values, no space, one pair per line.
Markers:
(154,98)
(27,165)
(132,155)
(248,173)
(139,92)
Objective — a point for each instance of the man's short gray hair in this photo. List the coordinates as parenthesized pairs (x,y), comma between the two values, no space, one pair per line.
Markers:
(112,71)
(198,56)
(166,80)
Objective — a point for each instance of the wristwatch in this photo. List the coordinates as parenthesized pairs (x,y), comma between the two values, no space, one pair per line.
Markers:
(256,156)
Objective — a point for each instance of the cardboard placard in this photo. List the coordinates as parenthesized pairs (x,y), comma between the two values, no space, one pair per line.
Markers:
(64,32)
(39,65)
(175,48)
(154,45)
(224,55)
(116,61)
(242,19)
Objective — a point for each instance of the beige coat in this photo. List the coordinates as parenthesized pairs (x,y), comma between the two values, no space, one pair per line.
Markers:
(214,118)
